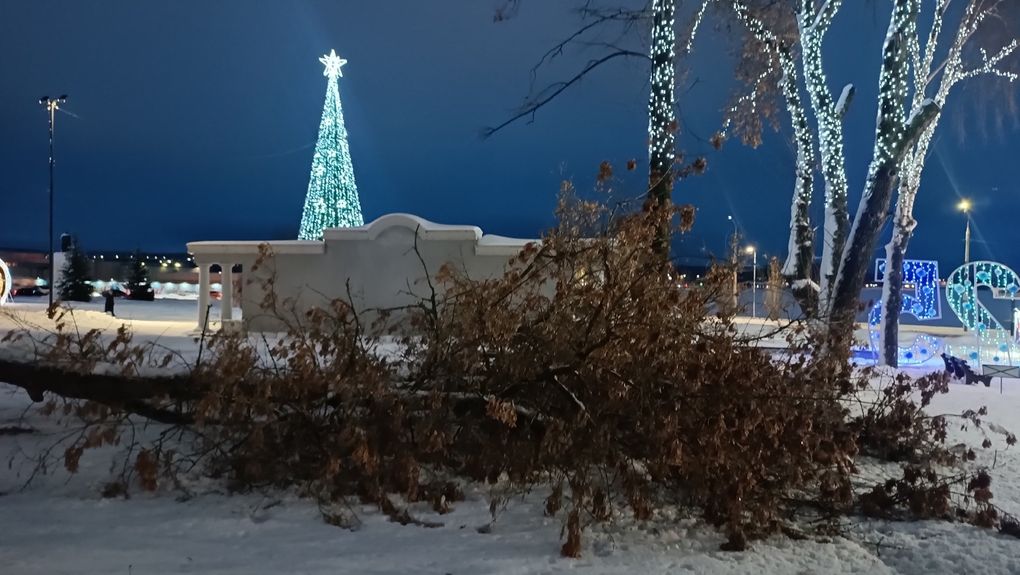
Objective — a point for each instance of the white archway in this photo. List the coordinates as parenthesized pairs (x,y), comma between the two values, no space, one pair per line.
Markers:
(6,282)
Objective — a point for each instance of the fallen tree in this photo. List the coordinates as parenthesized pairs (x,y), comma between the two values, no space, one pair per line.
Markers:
(585,368)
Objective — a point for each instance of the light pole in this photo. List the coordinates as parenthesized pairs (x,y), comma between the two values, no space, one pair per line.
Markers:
(964,206)
(51,105)
(734,240)
(754,279)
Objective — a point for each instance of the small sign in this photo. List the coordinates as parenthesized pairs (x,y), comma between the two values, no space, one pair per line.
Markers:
(1000,370)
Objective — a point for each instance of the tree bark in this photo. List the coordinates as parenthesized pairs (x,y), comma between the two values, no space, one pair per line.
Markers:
(895,135)
(800,251)
(892,291)
(872,215)
(132,394)
(813,23)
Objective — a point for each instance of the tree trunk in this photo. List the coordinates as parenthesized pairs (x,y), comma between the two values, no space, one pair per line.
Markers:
(892,291)
(800,251)
(895,135)
(813,24)
(872,215)
(132,394)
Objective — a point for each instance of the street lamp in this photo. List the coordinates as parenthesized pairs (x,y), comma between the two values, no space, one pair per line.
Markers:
(734,240)
(964,206)
(754,278)
(51,105)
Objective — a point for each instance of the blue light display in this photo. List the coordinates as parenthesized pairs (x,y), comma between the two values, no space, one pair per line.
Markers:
(924,304)
(994,341)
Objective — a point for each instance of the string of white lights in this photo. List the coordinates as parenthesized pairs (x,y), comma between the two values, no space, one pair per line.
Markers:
(332,200)
(800,224)
(660,103)
(813,25)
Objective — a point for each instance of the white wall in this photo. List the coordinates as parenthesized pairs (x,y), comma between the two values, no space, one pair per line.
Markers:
(379,262)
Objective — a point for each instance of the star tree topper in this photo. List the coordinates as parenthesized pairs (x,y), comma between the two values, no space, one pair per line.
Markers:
(333,64)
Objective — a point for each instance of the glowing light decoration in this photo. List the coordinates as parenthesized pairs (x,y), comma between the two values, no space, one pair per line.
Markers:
(332,200)
(661,119)
(813,26)
(926,63)
(995,343)
(800,250)
(924,304)
(6,281)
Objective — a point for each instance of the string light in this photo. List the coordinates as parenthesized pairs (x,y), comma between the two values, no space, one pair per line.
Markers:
(698,18)
(661,121)
(829,113)
(800,219)
(332,200)
(953,71)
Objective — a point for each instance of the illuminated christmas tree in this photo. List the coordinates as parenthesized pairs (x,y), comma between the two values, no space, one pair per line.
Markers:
(332,200)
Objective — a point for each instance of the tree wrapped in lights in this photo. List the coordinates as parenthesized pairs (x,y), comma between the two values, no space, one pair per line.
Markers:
(813,24)
(764,20)
(926,70)
(332,200)
(896,132)
(780,60)
(661,119)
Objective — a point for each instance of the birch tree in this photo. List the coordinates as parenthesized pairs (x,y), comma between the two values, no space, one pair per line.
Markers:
(896,133)
(814,21)
(779,48)
(942,77)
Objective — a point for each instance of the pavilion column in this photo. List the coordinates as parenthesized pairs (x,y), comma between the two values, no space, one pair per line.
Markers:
(203,294)
(227,292)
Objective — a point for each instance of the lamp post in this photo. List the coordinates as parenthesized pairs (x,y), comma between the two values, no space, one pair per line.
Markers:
(51,105)
(754,279)
(734,240)
(964,206)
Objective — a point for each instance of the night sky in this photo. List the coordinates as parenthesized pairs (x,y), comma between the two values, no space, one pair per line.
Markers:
(196,120)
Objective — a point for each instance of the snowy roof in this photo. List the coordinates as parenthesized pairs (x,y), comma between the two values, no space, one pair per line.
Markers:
(425,229)
(485,244)
(252,247)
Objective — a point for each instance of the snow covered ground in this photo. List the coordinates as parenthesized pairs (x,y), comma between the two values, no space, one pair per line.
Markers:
(60,524)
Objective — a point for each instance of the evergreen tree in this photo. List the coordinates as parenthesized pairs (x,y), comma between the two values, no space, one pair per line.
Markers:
(138,278)
(75,285)
(332,200)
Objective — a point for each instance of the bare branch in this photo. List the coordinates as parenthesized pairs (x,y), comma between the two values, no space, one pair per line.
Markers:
(556,89)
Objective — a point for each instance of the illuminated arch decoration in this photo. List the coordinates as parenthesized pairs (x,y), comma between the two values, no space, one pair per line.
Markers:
(924,304)
(6,281)
(995,344)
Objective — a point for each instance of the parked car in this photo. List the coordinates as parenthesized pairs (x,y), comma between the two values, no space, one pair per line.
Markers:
(28,291)
(143,292)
